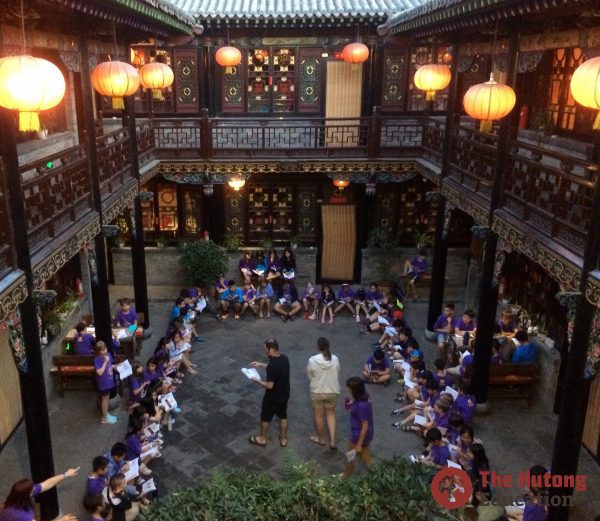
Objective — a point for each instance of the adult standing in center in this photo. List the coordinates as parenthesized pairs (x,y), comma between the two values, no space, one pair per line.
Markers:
(277,393)
(323,372)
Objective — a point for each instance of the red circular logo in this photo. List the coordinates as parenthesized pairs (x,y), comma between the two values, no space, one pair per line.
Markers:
(451,488)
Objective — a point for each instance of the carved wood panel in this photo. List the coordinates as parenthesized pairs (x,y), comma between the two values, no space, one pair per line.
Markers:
(187,97)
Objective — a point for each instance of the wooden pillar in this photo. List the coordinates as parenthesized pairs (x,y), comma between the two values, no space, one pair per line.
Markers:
(33,387)
(488,290)
(100,296)
(574,403)
(440,247)
(138,253)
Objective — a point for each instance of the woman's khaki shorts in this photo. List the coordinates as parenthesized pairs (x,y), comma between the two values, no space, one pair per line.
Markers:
(325,400)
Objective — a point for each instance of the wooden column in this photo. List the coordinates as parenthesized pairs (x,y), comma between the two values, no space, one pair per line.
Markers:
(573,407)
(100,296)
(138,253)
(33,387)
(488,289)
(440,247)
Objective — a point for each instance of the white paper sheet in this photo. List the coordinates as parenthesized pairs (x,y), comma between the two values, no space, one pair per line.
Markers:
(124,369)
(251,373)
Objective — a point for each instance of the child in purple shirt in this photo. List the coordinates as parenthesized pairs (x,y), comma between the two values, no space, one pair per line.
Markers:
(84,342)
(414,269)
(126,316)
(104,379)
(273,266)
(361,424)
(98,479)
(345,299)
(465,403)
(377,370)
(310,301)
(439,454)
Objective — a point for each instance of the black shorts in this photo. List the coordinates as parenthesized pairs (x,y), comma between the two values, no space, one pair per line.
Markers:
(270,409)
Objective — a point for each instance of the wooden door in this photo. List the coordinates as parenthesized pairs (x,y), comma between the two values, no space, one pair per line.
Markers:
(343,99)
(338,250)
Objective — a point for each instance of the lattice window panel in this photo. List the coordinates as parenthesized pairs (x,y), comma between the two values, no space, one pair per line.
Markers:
(167,208)
(394,79)
(192,212)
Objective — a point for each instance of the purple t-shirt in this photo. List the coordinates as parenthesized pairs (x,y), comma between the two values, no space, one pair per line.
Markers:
(465,327)
(466,362)
(84,344)
(249,294)
(273,265)
(443,380)
(346,293)
(311,295)
(20,514)
(105,381)
(148,376)
(95,486)
(440,454)
(133,444)
(419,265)
(136,383)
(441,420)
(442,322)
(376,365)
(373,296)
(126,319)
(534,512)
(507,328)
(465,406)
(361,410)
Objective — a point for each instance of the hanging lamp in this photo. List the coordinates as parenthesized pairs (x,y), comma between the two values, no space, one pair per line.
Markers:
(236,183)
(156,76)
(432,78)
(585,86)
(355,53)
(489,101)
(228,57)
(29,85)
(341,183)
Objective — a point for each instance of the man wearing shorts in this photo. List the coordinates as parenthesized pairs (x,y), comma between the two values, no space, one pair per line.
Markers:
(277,393)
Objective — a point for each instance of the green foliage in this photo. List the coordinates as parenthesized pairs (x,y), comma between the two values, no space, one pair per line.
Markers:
(424,240)
(232,242)
(202,261)
(394,490)
(266,244)
(385,247)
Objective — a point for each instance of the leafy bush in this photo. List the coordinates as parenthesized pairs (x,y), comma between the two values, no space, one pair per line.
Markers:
(232,241)
(385,247)
(202,261)
(394,490)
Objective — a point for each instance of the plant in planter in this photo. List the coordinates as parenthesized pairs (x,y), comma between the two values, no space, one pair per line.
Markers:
(384,247)
(266,243)
(424,240)
(51,323)
(161,240)
(294,243)
(232,241)
(202,262)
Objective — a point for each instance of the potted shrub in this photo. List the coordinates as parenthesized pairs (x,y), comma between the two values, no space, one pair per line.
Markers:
(424,240)
(232,241)
(161,240)
(51,323)
(202,262)
(266,243)
(384,248)
(294,243)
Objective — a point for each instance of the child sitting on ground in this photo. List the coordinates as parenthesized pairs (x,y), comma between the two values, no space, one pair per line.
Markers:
(440,374)
(345,299)
(310,301)
(377,369)
(249,299)
(438,453)
(327,302)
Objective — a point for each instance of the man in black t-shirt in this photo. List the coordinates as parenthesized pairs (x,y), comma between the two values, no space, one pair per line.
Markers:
(277,393)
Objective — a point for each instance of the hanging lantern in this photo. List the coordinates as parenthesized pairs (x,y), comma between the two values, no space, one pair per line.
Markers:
(447,58)
(431,78)
(355,53)
(585,86)
(156,76)
(236,183)
(115,79)
(228,57)
(29,85)
(340,183)
(489,101)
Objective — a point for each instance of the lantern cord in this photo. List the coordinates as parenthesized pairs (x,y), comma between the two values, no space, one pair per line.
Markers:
(23,26)
(227,29)
(115,40)
(494,41)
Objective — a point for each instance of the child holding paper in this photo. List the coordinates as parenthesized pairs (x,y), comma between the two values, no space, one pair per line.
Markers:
(328,301)
(249,299)
(361,425)
(310,301)
(105,382)
(377,369)
(345,299)
(439,454)
(264,294)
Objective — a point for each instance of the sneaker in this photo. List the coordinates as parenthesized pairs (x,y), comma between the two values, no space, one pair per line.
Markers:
(112,417)
(284,318)
(396,412)
(109,420)
(291,318)
(177,410)
(144,470)
(357,318)
(200,339)
(397,425)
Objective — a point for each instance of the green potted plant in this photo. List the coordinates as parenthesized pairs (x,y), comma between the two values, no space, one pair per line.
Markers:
(51,323)
(294,243)
(266,243)
(232,241)
(203,261)
(384,247)
(424,240)
(161,240)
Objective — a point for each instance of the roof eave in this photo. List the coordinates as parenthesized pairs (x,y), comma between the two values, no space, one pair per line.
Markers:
(175,20)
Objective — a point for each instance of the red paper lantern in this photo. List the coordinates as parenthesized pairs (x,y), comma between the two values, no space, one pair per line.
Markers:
(355,53)
(228,57)
(340,183)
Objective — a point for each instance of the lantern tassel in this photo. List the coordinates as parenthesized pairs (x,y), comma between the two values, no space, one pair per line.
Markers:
(157,94)
(117,103)
(597,122)
(485,126)
(29,121)
(229,71)
(430,95)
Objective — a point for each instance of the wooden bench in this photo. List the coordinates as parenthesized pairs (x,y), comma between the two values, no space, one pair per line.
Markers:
(519,379)
(76,368)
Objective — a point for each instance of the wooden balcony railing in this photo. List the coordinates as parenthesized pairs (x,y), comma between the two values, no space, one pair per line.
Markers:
(56,189)
(114,160)
(552,191)
(473,158)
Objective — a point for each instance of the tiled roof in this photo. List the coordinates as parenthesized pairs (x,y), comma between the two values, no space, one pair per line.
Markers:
(171,9)
(279,9)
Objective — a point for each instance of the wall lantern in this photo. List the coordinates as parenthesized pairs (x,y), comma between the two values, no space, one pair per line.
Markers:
(228,57)
(115,79)
(236,183)
(585,86)
(489,101)
(431,78)
(355,53)
(341,183)
(29,85)
(156,76)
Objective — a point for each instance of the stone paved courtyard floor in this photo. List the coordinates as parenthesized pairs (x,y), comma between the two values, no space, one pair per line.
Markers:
(221,410)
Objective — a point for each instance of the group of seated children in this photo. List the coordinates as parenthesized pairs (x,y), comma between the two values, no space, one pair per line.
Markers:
(269,266)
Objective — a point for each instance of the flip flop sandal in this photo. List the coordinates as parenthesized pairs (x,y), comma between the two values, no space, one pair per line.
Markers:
(254,441)
(315,439)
